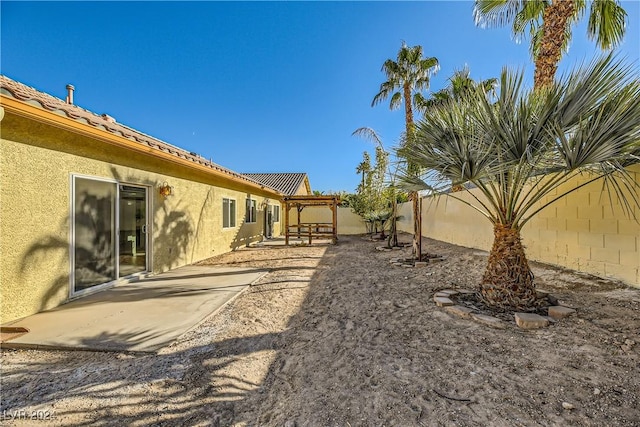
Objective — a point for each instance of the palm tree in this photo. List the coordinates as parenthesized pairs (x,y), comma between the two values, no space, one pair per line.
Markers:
(460,84)
(524,151)
(549,25)
(406,77)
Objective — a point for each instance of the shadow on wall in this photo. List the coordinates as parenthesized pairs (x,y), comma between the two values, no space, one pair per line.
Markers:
(249,232)
(95,246)
(172,232)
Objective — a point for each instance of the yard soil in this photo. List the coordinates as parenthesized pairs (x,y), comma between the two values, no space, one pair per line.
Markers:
(337,336)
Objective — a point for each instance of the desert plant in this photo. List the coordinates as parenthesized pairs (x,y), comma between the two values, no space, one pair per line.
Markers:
(392,193)
(524,151)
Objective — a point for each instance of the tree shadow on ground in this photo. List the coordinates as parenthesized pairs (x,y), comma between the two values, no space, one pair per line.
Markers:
(186,386)
(174,388)
(366,347)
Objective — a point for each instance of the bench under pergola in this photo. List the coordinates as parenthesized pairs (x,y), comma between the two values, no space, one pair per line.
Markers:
(311,230)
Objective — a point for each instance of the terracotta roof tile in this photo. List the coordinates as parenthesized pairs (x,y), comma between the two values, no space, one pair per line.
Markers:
(286,183)
(29,95)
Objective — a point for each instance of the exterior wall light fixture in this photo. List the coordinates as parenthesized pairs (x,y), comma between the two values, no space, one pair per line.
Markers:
(165,189)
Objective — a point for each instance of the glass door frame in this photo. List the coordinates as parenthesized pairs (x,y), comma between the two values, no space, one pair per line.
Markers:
(72,237)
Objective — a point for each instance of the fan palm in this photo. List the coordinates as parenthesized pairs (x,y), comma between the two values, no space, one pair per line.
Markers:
(524,151)
(549,25)
(406,77)
(460,83)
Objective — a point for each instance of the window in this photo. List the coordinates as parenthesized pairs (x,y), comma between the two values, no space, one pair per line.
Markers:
(250,215)
(276,213)
(228,213)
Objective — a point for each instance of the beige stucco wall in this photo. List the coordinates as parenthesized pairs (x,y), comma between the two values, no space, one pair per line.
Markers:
(405,212)
(36,165)
(586,231)
(348,222)
(302,188)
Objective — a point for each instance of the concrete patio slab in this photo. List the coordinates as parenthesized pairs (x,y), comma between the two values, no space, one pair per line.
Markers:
(142,316)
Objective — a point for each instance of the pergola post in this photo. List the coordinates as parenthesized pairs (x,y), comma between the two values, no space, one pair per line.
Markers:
(286,222)
(334,209)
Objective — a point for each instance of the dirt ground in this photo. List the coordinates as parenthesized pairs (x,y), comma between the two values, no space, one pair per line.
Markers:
(337,336)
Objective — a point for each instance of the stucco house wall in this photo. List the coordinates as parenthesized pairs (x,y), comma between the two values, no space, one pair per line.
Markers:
(37,162)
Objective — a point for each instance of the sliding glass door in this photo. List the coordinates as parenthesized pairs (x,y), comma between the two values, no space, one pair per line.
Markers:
(133,230)
(109,232)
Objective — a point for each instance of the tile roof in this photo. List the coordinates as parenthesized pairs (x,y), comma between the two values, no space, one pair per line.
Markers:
(286,183)
(29,95)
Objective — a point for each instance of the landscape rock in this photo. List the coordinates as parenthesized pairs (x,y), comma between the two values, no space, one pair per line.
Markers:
(442,301)
(459,311)
(560,312)
(449,292)
(530,321)
(490,321)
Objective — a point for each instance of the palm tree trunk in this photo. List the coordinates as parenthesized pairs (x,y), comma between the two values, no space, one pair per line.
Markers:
(392,242)
(413,169)
(417,226)
(555,20)
(508,280)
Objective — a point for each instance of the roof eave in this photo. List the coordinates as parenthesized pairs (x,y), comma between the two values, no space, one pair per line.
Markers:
(20,108)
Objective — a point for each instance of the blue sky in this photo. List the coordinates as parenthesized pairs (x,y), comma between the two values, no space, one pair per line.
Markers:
(256,86)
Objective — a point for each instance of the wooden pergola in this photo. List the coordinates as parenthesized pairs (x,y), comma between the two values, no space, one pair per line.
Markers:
(315,230)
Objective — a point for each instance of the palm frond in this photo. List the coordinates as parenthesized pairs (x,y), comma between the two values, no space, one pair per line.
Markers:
(607,23)
(396,101)
(369,134)
(496,13)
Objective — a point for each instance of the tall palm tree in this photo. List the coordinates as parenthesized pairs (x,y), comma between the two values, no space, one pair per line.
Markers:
(524,151)
(549,25)
(406,77)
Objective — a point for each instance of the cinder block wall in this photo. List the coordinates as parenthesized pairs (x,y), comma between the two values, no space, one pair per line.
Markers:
(586,231)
